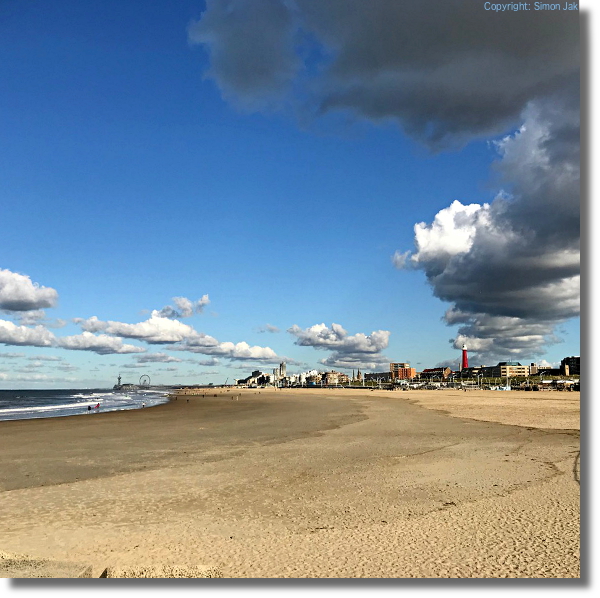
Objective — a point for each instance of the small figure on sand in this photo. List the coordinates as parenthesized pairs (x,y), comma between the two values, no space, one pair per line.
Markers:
(89,407)
(143,405)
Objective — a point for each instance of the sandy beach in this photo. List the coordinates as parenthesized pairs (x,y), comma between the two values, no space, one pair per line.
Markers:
(302,483)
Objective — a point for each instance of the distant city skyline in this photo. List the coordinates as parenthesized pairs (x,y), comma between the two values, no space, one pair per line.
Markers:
(197,190)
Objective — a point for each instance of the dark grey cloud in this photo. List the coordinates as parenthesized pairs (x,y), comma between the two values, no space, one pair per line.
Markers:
(511,268)
(251,46)
(445,71)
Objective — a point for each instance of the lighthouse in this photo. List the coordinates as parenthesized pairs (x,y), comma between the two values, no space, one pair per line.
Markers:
(465,359)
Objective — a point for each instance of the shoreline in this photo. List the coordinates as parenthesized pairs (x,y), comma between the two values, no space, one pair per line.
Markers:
(316,483)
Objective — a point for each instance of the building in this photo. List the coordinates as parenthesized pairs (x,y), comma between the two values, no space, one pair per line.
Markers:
(470,372)
(252,379)
(402,371)
(334,378)
(548,371)
(313,378)
(378,377)
(504,369)
(431,373)
(569,366)
(310,377)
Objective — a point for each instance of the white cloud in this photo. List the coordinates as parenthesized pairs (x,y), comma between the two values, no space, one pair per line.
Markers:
(234,351)
(11,334)
(156,330)
(163,330)
(101,344)
(92,324)
(244,351)
(348,351)
(19,293)
(451,233)
(320,336)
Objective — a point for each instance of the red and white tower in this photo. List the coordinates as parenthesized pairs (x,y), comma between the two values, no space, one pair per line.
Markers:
(465,359)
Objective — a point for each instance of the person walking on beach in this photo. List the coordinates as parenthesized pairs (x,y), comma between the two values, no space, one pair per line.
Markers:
(97,406)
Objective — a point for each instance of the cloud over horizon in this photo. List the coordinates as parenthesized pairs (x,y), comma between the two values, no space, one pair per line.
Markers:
(163,330)
(348,351)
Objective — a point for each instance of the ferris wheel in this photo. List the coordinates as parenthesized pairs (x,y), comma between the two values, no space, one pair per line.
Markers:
(145,381)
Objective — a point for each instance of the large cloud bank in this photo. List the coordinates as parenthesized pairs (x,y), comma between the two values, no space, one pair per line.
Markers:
(511,268)
(161,329)
(447,73)
(22,299)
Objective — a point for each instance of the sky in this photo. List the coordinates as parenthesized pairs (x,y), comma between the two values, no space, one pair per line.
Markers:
(196,190)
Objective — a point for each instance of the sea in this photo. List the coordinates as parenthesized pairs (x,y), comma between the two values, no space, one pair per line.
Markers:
(33,404)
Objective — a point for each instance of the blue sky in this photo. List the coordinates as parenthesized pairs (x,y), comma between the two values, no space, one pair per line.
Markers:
(154,151)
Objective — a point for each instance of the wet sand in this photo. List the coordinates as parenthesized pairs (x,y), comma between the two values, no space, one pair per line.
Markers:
(310,483)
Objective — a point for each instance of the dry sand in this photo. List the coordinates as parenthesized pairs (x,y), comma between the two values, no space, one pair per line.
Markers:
(310,483)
